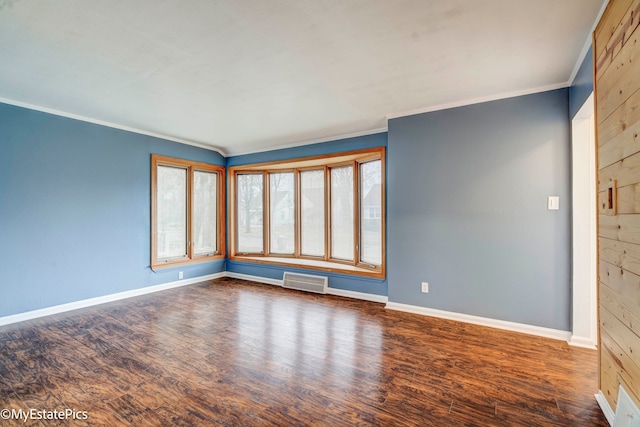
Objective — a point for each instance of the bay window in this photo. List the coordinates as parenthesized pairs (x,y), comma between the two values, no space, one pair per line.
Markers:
(311,212)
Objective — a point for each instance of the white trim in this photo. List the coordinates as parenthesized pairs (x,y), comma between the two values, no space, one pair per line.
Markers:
(606,409)
(587,44)
(482,321)
(258,279)
(56,309)
(584,275)
(358,295)
(109,124)
(312,141)
(584,342)
(331,291)
(48,311)
(479,100)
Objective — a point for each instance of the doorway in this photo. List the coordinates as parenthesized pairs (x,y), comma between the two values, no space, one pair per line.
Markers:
(584,239)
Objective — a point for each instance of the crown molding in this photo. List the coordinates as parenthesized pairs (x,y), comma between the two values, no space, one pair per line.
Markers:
(312,141)
(587,43)
(109,124)
(479,100)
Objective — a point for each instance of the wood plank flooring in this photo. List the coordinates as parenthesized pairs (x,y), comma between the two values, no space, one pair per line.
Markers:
(231,352)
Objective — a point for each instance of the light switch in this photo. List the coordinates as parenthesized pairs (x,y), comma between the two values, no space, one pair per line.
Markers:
(553,203)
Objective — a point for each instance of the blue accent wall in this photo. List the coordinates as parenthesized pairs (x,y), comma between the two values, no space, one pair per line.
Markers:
(337,281)
(467,190)
(467,209)
(319,149)
(582,85)
(75,210)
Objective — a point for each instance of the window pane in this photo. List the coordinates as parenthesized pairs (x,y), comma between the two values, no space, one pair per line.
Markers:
(205,212)
(172,212)
(250,238)
(371,212)
(282,213)
(312,208)
(342,213)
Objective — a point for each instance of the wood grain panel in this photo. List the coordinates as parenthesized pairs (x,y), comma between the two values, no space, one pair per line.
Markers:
(628,200)
(608,225)
(620,254)
(618,39)
(625,172)
(609,22)
(621,146)
(620,120)
(627,342)
(231,352)
(623,282)
(625,228)
(617,98)
(602,203)
(609,371)
(620,91)
(625,366)
(616,90)
(626,310)
(611,72)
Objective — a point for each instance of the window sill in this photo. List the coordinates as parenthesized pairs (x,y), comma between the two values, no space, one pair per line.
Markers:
(175,264)
(333,267)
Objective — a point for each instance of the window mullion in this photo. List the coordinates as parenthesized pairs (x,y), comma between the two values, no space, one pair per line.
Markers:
(329,221)
(356,213)
(266,215)
(234,239)
(189,195)
(327,213)
(297,214)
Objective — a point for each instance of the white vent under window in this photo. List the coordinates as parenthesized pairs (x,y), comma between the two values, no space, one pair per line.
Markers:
(305,282)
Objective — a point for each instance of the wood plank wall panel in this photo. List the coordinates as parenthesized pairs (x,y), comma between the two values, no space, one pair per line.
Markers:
(611,19)
(607,34)
(619,121)
(617,94)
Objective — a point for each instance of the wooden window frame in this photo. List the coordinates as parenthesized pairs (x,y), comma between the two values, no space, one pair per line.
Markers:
(234,202)
(326,262)
(295,215)
(190,167)
(356,218)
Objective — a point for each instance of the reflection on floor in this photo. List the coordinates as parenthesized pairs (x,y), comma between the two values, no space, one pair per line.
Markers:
(232,352)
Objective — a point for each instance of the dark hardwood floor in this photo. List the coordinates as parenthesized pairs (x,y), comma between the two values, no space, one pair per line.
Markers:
(230,352)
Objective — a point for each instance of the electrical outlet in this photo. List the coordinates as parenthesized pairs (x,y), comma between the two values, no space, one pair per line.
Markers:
(180,275)
(425,287)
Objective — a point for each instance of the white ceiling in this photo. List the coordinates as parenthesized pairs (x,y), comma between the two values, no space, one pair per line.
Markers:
(252,75)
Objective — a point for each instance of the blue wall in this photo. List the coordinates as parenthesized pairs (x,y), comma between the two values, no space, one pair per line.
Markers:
(467,209)
(330,147)
(467,191)
(75,210)
(337,281)
(582,85)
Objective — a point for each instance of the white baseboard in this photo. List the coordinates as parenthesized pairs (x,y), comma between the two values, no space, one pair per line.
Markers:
(331,291)
(56,309)
(606,409)
(258,279)
(29,315)
(584,342)
(358,295)
(482,321)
